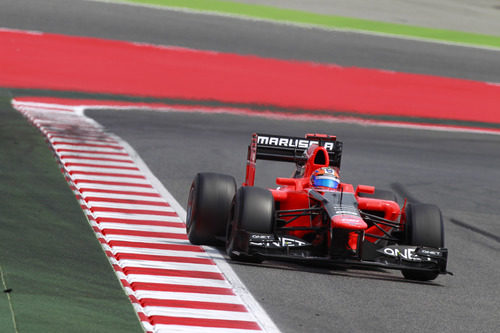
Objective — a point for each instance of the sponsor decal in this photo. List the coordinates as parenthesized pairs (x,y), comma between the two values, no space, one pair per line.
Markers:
(430,253)
(346,210)
(270,241)
(412,253)
(348,221)
(403,252)
(342,211)
(291,142)
(287,241)
(261,237)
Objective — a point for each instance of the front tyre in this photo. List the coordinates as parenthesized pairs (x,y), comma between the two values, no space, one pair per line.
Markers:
(252,211)
(424,227)
(209,202)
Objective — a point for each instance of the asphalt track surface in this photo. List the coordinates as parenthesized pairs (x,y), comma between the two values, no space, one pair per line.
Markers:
(456,171)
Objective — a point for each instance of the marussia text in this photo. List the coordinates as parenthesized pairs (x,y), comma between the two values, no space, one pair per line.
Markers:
(291,142)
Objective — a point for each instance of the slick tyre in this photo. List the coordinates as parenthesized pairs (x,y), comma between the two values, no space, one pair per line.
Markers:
(208,207)
(252,211)
(424,227)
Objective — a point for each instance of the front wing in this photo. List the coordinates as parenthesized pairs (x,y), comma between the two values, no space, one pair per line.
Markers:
(398,257)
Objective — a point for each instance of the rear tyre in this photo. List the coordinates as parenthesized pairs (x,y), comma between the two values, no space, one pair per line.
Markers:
(424,227)
(252,211)
(208,208)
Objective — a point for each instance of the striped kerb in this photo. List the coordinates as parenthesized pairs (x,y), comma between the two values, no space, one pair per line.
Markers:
(173,285)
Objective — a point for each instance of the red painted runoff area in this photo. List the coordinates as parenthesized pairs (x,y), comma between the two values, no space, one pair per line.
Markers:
(81,64)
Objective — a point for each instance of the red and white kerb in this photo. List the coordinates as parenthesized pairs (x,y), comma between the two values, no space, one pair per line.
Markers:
(174,286)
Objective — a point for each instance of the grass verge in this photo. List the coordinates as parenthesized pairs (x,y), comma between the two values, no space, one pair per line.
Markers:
(327,21)
(59,277)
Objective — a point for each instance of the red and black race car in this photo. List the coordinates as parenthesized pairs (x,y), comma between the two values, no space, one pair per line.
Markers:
(312,216)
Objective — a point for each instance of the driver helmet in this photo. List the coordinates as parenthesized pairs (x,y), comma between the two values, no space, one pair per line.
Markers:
(325,177)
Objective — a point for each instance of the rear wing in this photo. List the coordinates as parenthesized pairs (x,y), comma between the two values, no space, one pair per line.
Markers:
(289,149)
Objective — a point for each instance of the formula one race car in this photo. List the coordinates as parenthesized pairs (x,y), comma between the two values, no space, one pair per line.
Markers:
(312,216)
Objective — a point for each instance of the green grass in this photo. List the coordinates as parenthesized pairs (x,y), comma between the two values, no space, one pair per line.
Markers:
(60,278)
(327,21)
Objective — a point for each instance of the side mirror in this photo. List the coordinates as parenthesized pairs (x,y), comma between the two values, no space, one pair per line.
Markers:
(365,189)
(286,181)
